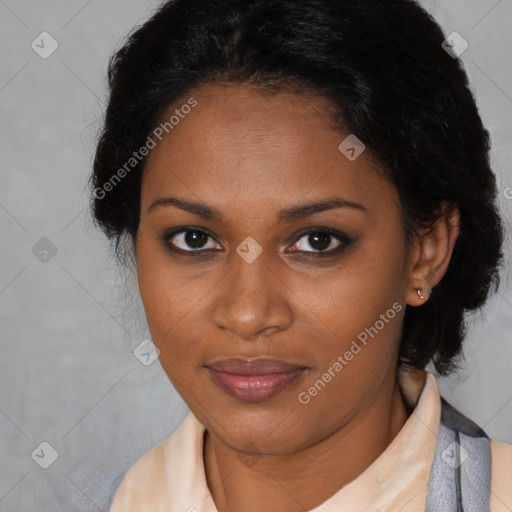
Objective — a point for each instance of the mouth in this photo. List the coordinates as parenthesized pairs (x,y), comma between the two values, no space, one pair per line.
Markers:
(253,380)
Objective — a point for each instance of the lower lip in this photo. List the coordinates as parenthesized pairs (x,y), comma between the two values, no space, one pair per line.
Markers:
(253,388)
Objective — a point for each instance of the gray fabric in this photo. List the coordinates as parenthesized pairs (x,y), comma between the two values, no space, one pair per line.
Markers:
(441,495)
(476,476)
(460,479)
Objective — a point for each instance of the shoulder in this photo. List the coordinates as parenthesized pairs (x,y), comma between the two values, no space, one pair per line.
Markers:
(501,483)
(141,481)
(144,485)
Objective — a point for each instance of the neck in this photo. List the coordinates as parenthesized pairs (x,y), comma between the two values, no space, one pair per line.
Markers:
(271,483)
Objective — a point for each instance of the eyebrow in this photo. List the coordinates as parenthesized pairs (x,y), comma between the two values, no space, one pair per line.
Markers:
(288,214)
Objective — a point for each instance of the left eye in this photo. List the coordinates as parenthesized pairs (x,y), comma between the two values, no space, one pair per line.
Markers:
(320,240)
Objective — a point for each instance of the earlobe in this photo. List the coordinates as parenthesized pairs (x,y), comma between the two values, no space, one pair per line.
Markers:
(419,296)
(432,254)
(420,293)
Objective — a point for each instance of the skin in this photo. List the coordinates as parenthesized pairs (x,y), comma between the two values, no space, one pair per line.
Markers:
(250,157)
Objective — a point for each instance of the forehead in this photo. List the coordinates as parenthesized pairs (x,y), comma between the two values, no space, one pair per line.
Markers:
(238,145)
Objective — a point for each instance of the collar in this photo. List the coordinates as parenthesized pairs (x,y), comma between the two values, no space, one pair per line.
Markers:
(397,478)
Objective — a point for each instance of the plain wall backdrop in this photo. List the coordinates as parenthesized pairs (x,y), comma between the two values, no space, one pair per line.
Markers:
(69,377)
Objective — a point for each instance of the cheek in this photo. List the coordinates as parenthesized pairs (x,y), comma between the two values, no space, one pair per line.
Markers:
(360,310)
(176,301)
(166,298)
(167,305)
(360,314)
(367,285)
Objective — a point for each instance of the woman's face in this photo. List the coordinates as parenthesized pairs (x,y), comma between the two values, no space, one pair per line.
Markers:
(250,271)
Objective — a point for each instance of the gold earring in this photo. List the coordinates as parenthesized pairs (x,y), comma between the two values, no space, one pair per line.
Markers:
(420,290)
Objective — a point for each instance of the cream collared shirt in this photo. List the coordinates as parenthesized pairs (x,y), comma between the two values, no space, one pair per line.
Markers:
(171,478)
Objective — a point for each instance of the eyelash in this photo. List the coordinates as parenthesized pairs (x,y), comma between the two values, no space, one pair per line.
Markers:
(345,242)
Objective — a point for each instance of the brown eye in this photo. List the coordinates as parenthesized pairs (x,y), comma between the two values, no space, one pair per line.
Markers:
(319,241)
(191,240)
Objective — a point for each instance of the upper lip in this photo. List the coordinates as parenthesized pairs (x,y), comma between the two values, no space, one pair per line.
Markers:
(254,366)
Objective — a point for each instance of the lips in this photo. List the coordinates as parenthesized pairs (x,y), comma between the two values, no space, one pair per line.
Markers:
(253,380)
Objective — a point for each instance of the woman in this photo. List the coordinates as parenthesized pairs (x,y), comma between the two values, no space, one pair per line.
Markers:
(305,189)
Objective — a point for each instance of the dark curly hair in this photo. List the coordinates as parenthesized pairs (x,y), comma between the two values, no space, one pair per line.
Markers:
(381,65)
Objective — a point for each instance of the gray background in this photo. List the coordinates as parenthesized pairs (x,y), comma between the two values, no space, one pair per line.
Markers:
(69,325)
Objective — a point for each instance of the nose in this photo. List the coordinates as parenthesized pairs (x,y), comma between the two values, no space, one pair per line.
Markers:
(252,300)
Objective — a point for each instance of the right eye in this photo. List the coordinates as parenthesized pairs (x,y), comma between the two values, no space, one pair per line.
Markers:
(190,240)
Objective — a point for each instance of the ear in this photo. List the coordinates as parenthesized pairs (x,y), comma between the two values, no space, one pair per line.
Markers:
(431,253)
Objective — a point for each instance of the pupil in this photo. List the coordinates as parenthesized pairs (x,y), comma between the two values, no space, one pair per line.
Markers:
(195,239)
(319,241)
